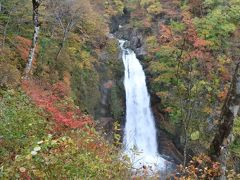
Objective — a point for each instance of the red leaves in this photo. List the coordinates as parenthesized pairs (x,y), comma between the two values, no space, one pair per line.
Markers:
(49,98)
(60,89)
(191,34)
(197,47)
(23,45)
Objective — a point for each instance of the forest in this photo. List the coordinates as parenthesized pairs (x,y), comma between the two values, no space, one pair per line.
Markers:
(68,96)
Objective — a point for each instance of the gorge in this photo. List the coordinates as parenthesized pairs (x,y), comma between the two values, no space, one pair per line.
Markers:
(119,89)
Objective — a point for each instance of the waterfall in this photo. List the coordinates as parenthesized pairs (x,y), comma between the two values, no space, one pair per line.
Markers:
(140,138)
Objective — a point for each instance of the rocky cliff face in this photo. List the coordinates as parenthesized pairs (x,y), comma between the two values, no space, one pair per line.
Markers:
(135,40)
(121,29)
(111,103)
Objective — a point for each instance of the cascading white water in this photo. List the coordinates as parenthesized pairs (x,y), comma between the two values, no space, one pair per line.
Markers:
(140,138)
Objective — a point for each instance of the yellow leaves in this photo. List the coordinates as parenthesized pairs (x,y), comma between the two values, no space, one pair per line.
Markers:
(223,67)
(236,127)
(114,7)
(39,174)
(154,8)
(85,61)
(164,78)
(73,50)
(22,169)
(156,67)
(29,157)
(182,88)
(195,136)
(145,3)
(223,60)
(207,110)
(215,122)
(162,94)
(232,175)
(200,86)
(152,42)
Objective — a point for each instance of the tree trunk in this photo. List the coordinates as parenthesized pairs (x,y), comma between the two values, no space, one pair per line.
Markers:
(62,43)
(185,147)
(222,139)
(5,32)
(6,25)
(36,4)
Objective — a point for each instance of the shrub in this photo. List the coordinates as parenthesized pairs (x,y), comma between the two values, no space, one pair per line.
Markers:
(9,75)
(152,6)
(219,23)
(177,27)
(155,8)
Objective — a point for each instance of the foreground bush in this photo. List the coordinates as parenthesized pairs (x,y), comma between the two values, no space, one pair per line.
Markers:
(32,148)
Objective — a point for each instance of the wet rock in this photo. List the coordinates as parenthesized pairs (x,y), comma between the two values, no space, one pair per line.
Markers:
(135,40)
(127,44)
(167,134)
(141,53)
(105,126)
(167,148)
(124,33)
(117,21)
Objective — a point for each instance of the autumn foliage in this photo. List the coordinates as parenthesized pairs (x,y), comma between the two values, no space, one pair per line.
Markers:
(200,167)
(52,99)
(23,46)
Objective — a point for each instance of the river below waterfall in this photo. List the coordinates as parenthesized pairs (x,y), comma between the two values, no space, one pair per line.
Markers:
(140,140)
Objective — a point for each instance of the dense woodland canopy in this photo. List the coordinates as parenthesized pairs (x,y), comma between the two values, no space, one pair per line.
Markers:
(62,101)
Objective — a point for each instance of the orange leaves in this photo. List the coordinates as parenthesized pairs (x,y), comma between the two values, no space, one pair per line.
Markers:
(168,110)
(191,33)
(200,167)
(166,34)
(223,94)
(200,42)
(162,94)
(187,19)
(197,46)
